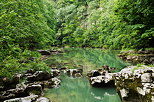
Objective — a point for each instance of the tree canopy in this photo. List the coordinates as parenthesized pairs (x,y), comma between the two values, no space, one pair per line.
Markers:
(28,25)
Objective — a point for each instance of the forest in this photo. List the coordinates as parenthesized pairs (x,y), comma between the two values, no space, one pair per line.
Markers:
(29,25)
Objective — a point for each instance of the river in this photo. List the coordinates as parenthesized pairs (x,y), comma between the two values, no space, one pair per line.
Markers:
(79,89)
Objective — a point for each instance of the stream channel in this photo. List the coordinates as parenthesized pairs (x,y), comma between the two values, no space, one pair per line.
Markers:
(79,89)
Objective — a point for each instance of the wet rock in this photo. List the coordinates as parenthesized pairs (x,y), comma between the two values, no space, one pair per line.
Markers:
(94,73)
(24,99)
(124,93)
(74,72)
(135,57)
(39,76)
(106,80)
(34,89)
(9,83)
(50,83)
(55,72)
(102,77)
(19,91)
(43,99)
(108,69)
(44,52)
(102,71)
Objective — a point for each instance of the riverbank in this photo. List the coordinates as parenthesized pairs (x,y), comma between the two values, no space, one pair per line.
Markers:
(30,85)
(133,83)
(137,57)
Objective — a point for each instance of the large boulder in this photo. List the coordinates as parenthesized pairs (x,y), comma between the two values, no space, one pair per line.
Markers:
(135,84)
(39,76)
(106,80)
(19,91)
(102,77)
(9,83)
(34,89)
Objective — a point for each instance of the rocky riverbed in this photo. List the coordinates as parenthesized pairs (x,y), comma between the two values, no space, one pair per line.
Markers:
(134,83)
(27,87)
(135,57)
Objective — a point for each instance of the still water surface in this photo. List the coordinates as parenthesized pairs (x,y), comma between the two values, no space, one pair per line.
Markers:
(79,89)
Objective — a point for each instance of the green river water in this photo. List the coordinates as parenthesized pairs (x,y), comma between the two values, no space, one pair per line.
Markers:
(79,89)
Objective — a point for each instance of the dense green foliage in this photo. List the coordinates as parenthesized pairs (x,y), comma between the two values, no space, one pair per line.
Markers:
(28,25)
(113,24)
(24,26)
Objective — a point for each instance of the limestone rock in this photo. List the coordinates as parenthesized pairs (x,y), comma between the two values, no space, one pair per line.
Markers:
(55,72)
(74,72)
(34,89)
(124,93)
(23,99)
(43,99)
(9,83)
(39,76)
(135,83)
(103,80)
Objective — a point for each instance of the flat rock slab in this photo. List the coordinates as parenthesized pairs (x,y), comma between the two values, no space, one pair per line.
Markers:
(23,99)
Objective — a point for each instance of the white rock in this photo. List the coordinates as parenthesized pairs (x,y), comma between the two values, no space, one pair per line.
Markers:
(43,99)
(124,92)
(140,91)
(152,98)
(146,77)
(24,99)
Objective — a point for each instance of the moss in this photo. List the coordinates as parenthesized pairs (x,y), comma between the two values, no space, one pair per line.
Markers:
(140,66)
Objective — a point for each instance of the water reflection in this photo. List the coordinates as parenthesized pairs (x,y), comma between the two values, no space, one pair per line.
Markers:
(79,90)
(87,59)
